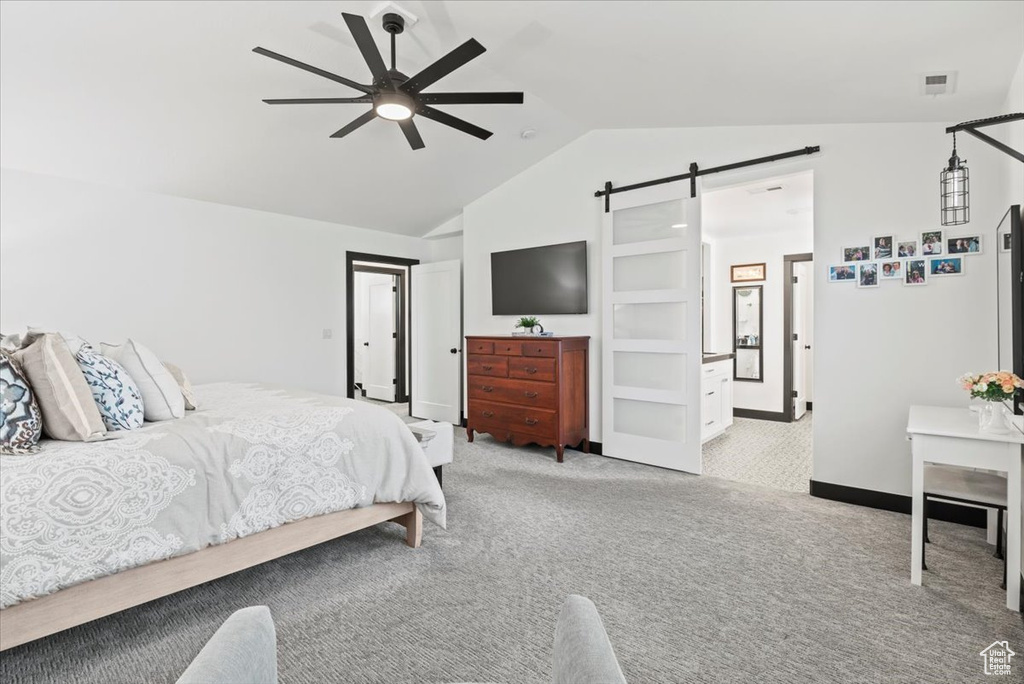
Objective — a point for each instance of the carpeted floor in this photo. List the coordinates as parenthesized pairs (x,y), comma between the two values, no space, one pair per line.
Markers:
(697,580)
(763,452)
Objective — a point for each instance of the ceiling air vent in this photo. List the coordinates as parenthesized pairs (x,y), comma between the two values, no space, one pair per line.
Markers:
(942,83)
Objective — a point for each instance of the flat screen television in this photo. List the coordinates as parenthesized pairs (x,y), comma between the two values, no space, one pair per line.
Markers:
(540,280)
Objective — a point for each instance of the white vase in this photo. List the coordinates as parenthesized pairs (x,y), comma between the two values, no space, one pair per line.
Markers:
(994,419)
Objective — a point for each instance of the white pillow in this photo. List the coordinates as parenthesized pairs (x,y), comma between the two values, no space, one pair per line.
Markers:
(161,397)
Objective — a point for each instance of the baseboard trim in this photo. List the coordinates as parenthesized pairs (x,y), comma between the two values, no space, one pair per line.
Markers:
(899,503)
(776,416)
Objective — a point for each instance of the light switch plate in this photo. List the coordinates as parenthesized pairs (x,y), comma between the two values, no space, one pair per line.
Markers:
(328,333)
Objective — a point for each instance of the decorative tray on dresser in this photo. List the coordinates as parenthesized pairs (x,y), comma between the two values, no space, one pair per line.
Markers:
(530,390)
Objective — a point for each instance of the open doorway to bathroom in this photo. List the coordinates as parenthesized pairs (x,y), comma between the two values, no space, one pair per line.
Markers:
(378,318)
(758,330)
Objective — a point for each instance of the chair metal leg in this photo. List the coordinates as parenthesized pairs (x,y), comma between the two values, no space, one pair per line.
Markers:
(999,534)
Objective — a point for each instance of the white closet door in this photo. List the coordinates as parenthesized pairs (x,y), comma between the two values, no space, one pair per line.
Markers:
(651,347)
(437,341)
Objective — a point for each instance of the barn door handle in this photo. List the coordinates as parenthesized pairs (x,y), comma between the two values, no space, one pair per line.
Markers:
(488,414)
(485,388)
(531,395)
(531,421)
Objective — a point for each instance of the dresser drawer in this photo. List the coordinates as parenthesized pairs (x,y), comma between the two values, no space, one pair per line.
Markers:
(527,368)
(548,349)
(481,347)
(496,366)
(532,421)
(522,392)
(508,348)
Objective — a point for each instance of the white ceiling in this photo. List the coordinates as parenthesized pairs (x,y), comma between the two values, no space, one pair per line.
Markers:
(165,96)
(749,209)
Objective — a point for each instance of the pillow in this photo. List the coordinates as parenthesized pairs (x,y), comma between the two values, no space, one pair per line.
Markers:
(161,398)
(116,395)
(73,341)
(184,385)
(69,413)
(22,420)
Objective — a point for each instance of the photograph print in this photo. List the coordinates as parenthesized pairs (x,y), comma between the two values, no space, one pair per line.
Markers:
(906,249)
(946,266)
(931,243)
(859,253)
(915,272)
(968,244)
(891,270)
(867,274)
(842,274)
(882,246)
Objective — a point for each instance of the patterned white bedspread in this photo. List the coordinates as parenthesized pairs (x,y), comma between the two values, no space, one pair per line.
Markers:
(250,458)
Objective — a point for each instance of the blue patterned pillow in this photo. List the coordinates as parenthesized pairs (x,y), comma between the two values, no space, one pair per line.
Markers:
(22,422)
(116,394)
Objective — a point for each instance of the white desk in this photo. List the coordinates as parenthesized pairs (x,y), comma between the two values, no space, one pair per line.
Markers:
(951,436)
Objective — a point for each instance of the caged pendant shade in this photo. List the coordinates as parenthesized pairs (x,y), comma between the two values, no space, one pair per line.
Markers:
(954,188)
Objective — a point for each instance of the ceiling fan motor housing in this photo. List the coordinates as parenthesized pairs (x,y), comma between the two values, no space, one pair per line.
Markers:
(393,23)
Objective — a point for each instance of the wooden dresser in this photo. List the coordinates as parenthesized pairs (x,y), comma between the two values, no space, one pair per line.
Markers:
(530,390)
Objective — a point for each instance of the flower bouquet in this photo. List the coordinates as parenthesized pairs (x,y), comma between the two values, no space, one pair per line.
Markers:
(992,388)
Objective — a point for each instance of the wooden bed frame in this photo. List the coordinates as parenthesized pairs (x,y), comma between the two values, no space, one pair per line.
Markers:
(98,598)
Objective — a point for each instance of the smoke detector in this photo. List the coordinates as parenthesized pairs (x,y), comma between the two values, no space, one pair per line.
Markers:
(938,83)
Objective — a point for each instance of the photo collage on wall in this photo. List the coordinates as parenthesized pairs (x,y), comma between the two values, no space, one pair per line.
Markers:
(912,262)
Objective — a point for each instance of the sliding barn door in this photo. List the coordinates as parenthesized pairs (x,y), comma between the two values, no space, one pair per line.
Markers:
(651,348)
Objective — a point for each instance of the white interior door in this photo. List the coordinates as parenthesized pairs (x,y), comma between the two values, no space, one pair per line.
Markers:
(651,349)
(800,340)
(380,375)
(437,341)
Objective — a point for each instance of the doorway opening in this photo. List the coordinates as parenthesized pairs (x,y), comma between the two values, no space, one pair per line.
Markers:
(378,314)
(758,337)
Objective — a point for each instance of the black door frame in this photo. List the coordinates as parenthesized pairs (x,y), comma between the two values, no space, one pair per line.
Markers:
(787,330)
(405,315)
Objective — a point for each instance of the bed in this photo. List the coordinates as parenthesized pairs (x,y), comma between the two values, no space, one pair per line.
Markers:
(257,472)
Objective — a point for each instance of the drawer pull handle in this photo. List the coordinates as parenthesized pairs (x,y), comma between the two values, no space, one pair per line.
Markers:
(485,388)
(531,421)
(710,393)
(709,422)
(530,395)
(488,414)
(531,371)
(487,367)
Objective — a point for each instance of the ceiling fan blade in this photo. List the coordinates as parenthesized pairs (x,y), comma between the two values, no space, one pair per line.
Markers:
(444,66)
(470,98)
(362,120)
(320,100)
(364,40)
(453,121)
(412,134)
(313,70)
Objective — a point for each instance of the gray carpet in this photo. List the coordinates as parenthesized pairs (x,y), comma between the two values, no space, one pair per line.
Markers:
(697,580)
(763,452)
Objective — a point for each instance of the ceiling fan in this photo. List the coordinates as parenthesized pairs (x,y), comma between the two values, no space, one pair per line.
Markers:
(394,95)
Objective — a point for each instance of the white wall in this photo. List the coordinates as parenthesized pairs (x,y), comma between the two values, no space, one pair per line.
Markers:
(770,249)
(224,292)
(878,350)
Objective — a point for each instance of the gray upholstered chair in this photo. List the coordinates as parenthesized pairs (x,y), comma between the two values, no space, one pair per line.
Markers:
(244,649)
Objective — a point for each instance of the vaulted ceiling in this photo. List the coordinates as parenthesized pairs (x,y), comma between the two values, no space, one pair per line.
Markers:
(166,96)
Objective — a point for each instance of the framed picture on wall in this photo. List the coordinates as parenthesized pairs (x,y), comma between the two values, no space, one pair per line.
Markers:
(747,273)
(882,247)
(867,274)
(906,249)
(915,272)
(965,244)
(931,243)
(891,270)
(946,266)
(842,274)
(857,253)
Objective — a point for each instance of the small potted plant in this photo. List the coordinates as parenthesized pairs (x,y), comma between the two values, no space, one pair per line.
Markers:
(993,388)
(530,325)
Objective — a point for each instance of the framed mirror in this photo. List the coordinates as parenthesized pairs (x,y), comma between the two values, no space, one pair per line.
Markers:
(747,327)
(1009,238)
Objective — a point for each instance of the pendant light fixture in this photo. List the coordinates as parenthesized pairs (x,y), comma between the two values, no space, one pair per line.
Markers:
(954,187)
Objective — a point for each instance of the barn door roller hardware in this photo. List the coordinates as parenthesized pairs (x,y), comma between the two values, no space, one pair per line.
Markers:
(695,172)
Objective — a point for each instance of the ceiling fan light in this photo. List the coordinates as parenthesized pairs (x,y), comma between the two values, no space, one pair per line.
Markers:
(393,106)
